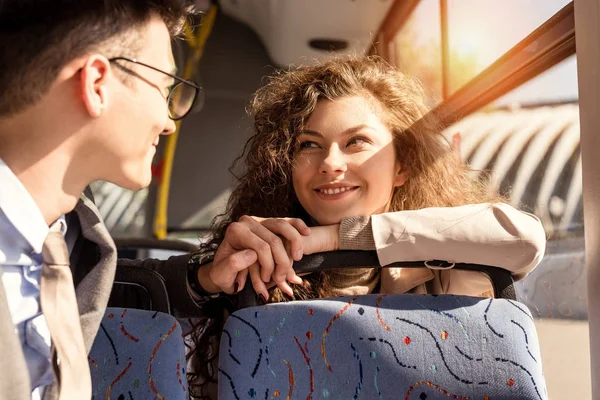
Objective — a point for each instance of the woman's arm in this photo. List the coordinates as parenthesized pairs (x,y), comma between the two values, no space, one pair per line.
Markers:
(489,234)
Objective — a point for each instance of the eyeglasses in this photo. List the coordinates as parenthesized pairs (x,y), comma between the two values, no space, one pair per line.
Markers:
(182,95)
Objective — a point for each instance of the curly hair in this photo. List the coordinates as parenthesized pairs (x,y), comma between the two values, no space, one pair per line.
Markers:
(437,177)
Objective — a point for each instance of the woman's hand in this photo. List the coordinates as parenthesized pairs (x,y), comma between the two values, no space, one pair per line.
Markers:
(319,239)
(263,247)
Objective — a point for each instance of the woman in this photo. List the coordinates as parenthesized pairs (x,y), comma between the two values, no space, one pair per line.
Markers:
(350,142)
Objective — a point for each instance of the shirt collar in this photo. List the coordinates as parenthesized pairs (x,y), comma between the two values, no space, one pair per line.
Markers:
(21,210)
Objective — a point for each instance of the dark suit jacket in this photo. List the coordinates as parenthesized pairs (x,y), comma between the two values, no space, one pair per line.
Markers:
(93,263)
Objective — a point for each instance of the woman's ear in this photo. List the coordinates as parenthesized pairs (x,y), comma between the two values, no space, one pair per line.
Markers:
(94,84)
(401,177)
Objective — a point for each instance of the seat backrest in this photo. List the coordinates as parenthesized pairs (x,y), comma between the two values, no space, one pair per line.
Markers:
(382,347)
(138,354)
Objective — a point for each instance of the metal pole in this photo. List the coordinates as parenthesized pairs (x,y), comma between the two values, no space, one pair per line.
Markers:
(445,48)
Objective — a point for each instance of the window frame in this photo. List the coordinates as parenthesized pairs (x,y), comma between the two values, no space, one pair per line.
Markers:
(587,24)
(548,45)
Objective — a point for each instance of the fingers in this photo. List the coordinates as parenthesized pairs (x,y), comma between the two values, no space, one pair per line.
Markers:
(290,274)
(299,225)
(240,280)
(249,234)
(292,230)
(266,237)
(277,262)
(224,272)
(293,278)
(285,288)
(289,232)
(261,288)
(257,282)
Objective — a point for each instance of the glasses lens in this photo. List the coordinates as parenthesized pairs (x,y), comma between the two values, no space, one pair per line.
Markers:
(181,99)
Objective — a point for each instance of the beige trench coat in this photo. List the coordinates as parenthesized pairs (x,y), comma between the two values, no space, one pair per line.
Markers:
(488,234)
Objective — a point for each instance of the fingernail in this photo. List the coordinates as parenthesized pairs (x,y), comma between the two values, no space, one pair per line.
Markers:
(236,287)
(263,300)
(298,255)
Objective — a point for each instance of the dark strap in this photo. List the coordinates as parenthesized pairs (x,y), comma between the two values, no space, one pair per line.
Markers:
(155,244)
(501,279)
(151,281)
(141,287)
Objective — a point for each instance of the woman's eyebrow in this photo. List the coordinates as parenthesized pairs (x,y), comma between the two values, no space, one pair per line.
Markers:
(311,132)
(357,128)
(347,132)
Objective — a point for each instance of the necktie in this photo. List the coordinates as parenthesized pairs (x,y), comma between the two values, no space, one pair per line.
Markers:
(59,306)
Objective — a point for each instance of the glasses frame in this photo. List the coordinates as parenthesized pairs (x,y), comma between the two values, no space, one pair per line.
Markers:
(178,80)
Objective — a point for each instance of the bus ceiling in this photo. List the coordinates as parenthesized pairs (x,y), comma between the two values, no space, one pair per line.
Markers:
(300,32)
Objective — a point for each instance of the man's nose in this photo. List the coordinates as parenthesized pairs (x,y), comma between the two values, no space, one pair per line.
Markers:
(334,162)
(170,127)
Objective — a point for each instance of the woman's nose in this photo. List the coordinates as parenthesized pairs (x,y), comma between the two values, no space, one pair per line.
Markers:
(334,162)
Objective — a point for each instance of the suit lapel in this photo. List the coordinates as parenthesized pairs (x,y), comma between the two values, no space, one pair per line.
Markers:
(94,289)
(14,383)
(97,276)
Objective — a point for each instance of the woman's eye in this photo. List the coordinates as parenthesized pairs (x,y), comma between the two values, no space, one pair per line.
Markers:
(357,141)
(307,145)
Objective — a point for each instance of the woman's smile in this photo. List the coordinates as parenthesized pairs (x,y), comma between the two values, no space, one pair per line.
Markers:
(335,193)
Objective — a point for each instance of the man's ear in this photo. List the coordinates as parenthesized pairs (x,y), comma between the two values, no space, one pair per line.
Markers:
(94,79)
(401,177)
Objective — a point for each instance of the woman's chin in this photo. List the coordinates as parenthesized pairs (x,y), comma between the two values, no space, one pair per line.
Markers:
(330,220)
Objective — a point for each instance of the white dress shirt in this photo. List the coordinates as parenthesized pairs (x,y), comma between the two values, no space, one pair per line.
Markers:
(22,234)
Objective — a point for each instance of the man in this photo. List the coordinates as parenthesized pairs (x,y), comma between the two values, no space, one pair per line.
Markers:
(86,90)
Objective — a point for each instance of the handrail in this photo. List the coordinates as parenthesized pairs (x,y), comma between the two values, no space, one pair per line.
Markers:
(197,43)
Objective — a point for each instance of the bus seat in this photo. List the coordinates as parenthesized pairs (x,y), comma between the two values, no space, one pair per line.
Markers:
(139,351)
(138,354)
(380,347)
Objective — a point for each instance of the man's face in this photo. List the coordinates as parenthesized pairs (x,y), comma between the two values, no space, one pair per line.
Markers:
(136,113)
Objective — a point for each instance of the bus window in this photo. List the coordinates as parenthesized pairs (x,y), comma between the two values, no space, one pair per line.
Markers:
(480,32)
(417,48)
(528,142)
(477,35)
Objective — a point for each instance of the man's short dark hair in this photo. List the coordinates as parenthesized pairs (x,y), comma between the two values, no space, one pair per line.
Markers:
(39,37)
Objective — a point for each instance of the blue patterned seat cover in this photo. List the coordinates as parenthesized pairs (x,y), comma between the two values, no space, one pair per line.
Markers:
(138,354)
(382,347)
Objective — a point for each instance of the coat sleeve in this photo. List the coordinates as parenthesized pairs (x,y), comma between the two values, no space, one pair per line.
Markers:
(174,272)
(494,234)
